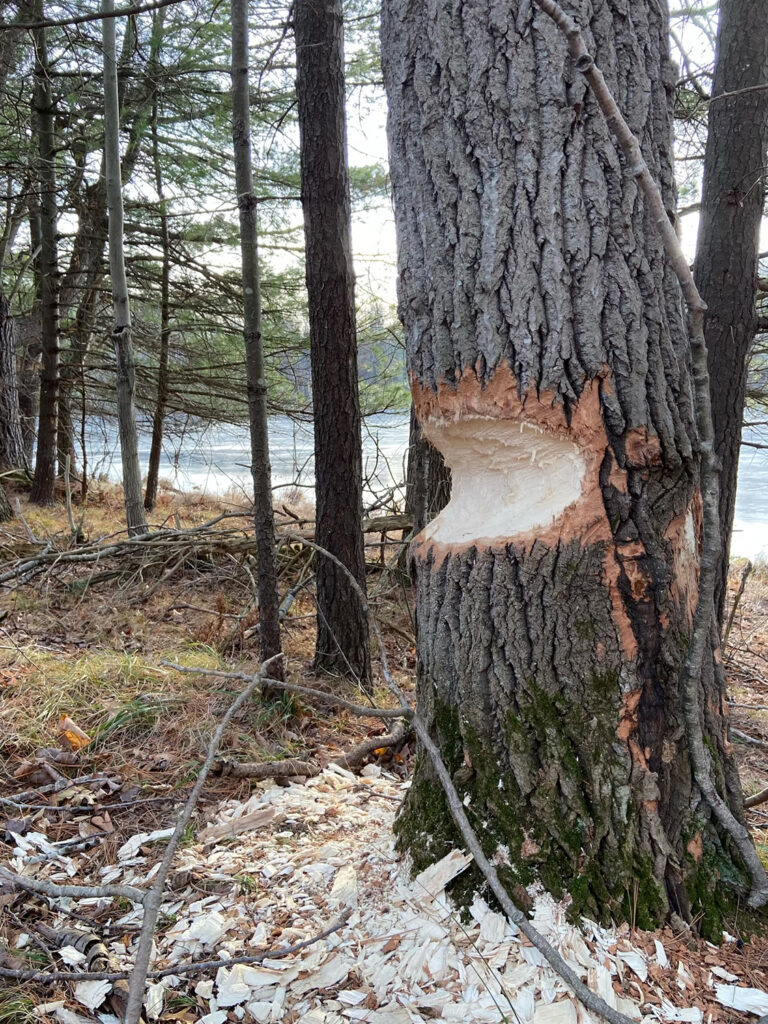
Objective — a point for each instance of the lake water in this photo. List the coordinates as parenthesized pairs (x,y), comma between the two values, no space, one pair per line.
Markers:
(217,461)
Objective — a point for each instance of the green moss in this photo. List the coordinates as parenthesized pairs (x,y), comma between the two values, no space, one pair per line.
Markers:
(563,815)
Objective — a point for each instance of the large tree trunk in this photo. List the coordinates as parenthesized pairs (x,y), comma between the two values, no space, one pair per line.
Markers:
(729,233)
(11,440)
(342,627)
(44,481)
(121,334)
(549,363)
(261,470)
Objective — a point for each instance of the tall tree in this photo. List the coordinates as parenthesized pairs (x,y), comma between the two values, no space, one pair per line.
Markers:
(121,333)
(342,628)
(263,516)
(11,440)
(44,480)
(550,365)
(729,232)
(158,419)
(12,451)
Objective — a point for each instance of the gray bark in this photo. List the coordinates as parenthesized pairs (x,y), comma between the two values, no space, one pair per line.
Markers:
(342,629)
(121,334)
(534,290)
(11,441)
(729,233)
(158,420)
(44,481)
(261,470)
(428,479)
(6,512)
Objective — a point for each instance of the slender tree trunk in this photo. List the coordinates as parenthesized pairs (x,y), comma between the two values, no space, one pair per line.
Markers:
(121,334)
(342,628)
(44,481)
(549,361)
(6,512)
(11,440)
(158,420)
(729,232)
(263,516)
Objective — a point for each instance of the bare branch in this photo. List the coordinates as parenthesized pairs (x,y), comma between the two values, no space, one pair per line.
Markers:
(81,19)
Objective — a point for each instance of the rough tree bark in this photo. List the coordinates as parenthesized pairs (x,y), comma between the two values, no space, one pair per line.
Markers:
(729,231)
(121,333)
(549,362)
(6,512)
(261,470)
(428,479)
(43,484)
(11,441)
(342,628)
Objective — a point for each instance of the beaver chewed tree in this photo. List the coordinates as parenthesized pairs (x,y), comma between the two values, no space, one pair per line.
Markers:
(549,360)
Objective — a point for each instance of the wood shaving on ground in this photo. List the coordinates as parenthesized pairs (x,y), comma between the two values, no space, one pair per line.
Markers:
(278,868)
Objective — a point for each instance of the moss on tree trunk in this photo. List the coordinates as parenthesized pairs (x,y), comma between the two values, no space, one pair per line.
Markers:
(549,362)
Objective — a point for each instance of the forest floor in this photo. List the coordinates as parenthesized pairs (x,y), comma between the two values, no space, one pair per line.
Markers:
(85,647)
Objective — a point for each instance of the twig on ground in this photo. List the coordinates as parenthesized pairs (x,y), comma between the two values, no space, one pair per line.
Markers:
(53,787)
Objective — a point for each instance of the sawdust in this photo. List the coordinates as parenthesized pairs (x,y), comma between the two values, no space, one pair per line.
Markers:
(404,955)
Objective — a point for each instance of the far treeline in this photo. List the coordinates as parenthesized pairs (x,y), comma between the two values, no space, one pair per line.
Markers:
(154,159)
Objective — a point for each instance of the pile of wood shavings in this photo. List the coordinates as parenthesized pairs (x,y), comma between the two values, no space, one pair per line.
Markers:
(280,867)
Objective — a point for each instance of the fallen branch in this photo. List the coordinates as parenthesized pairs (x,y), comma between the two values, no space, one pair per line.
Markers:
(153,898)
(306,691)
(737,598)
(757,799)
(192,968)
(710,473)
(751,741)
(57,890)
(283,769)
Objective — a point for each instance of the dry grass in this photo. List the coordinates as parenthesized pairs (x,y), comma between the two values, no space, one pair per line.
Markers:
(94,651)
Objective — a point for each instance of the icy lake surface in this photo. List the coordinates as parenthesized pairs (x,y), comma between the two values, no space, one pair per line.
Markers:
(216,461)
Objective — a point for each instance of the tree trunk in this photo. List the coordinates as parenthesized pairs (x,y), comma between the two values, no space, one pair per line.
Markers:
(6,512)
(548,354)
(342,628)
(261,471)
(729,232)
(428,479)
(121,334)
(11,440)
(158,420)
(44,481)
